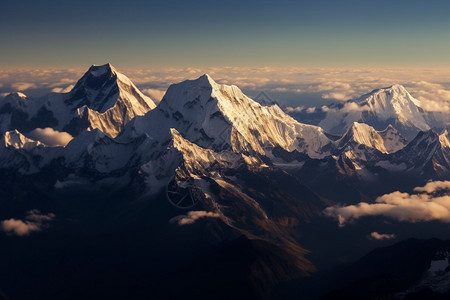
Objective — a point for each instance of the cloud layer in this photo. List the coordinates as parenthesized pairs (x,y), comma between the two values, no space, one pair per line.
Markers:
(34,221)
(428,203)
(50,136)
(290,86)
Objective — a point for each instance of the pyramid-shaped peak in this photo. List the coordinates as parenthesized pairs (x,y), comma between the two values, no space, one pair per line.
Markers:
(363,134)
(100,70)
(358,131)
(102,86)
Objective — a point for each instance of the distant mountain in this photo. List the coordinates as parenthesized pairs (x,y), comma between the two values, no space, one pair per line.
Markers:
(382,107)
(103,98)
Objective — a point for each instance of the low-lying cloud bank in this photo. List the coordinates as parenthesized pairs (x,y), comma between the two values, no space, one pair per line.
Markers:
(50,137)
(427,203)
(34,221)
(291,86)
(193,216)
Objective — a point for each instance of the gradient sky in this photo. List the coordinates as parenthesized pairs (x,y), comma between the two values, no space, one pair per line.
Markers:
(217,33)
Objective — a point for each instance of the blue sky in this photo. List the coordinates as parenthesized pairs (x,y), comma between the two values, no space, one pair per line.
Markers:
(224,33)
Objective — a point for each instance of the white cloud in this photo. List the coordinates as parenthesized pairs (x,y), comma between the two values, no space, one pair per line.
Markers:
(155,94)
(62,89)
(291,109)
(431,202)
(381,236)
(352,106)
(336,95)
(22,86)
(330,85)
(19,227)
(193,216)
(50,137)
(325,108)
(433,187)
(340,84)
(433,96)
(34,221)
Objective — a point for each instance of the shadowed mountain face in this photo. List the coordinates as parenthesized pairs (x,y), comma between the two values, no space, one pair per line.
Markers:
(207,192)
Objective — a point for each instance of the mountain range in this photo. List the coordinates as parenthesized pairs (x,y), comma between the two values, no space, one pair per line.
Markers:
(125,130)
(209,152)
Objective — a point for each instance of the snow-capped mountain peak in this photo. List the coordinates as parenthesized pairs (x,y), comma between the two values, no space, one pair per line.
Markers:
(102,86)
(218,116)
(363,134)
(379,108)
(382,97)
(17,140)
